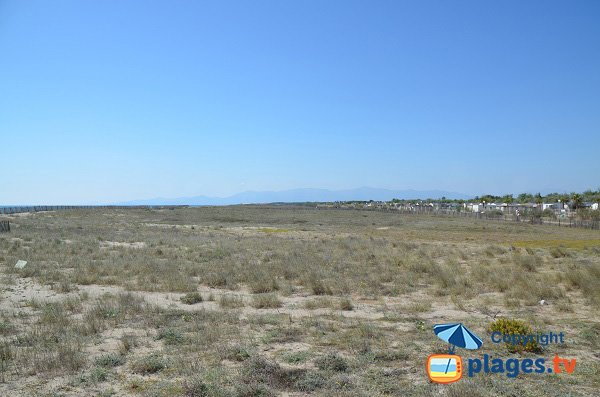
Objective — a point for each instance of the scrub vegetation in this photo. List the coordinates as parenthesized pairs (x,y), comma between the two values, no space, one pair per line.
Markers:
(284,300)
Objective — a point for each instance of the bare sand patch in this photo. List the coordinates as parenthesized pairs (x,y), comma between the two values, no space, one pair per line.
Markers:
(117,244)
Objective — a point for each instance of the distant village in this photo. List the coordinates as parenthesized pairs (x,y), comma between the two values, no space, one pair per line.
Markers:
(553,206)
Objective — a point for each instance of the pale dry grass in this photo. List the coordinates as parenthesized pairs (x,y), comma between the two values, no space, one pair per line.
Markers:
(251,300)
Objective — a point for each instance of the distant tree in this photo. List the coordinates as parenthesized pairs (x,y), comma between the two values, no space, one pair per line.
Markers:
(577,200)
(525,198)
(564,200)
(489,198)
(508,199)
(590,195)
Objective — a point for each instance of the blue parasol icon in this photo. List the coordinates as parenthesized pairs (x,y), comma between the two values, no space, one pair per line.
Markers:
(457,335)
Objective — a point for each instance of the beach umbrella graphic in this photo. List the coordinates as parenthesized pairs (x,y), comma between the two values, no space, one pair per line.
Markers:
(457,335)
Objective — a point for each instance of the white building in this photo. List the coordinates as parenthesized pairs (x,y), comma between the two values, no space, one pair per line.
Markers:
(475,207)
(552,206)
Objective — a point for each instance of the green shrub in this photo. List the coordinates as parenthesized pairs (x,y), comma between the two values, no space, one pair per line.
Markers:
(264,285)
(128,342)
(266,301)
(6,355)
(319,288)
(149,364)
(253,389)
(231,301)
(527,262)
(311,381)
(98,374)
(390,355)
(6,327)
(170,336)
(195,388)
(331,362)
(191,298)
(296,357)
(346,304)
(515,327)
(318,303)
(235,353)
(558,252)
(264,374)
(110,360)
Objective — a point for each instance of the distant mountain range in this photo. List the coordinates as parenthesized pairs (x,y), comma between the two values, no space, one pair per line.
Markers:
(303,195)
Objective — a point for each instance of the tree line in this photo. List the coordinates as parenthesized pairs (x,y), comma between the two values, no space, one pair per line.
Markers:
(574,199)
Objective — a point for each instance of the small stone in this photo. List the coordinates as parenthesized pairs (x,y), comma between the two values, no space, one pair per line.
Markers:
(20,264)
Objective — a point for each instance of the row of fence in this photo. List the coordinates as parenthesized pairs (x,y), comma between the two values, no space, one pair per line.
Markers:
(5,224)
(533,218)
(40,208)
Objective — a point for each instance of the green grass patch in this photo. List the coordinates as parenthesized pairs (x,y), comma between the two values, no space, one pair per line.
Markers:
(573,244)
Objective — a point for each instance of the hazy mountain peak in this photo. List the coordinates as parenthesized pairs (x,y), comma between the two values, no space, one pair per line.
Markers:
(303,195)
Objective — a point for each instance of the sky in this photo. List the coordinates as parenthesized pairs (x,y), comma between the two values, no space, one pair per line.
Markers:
(108,101)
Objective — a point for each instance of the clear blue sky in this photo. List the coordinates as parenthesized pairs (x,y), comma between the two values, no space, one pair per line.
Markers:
(105,101)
